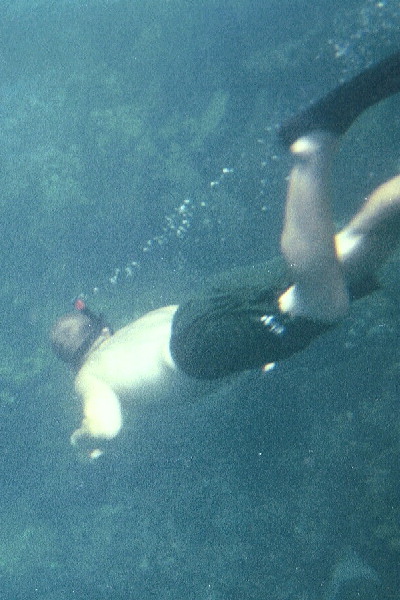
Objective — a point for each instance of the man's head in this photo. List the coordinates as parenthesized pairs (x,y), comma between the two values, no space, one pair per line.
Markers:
(74,333)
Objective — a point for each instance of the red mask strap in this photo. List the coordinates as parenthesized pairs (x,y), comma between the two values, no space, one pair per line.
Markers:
(80,304)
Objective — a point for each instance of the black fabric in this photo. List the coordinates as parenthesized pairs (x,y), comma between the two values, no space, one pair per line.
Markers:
(336,111)
(235,324)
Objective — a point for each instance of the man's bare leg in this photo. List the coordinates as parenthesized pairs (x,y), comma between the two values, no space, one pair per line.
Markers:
(307,242)
(372,235)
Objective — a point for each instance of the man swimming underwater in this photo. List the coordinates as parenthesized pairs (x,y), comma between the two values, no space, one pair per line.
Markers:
(250,317)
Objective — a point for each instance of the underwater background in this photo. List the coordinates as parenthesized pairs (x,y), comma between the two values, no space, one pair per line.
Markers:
(139,156)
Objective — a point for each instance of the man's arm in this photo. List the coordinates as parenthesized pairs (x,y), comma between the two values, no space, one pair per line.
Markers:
(102,419)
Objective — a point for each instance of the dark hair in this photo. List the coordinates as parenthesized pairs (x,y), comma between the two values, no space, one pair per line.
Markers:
(72,335)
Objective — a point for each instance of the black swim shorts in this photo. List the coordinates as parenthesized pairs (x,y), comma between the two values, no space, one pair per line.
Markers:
(234,324)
